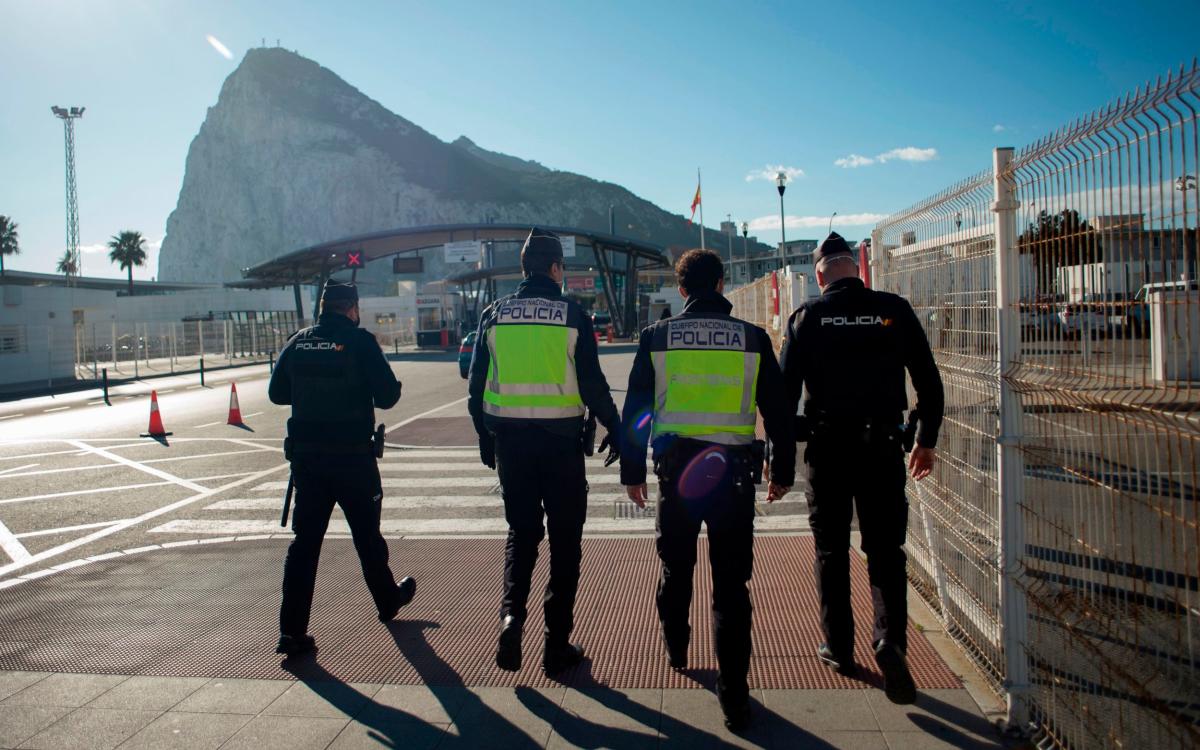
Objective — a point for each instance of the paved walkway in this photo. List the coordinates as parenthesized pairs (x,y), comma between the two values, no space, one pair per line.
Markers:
(172,648)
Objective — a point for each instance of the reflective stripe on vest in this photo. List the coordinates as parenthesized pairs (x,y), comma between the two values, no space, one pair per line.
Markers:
(705,381)
(531,373)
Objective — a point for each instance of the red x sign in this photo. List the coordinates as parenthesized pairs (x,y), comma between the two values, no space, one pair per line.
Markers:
(354,259)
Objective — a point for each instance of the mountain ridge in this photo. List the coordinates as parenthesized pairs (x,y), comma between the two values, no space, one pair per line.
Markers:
(292,155)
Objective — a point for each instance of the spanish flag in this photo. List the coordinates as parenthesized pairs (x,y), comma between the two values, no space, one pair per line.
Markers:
(695,201)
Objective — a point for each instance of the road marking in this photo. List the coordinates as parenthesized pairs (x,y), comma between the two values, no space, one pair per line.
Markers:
(186,484)
(255,414)
(401,502)
(169,390)
(13,548)
(11,416)
(207,424)
(249,444)
(257,449)
(57,408)
(416,483)
(95,403)
(18,468)
(194,387)
(10,500)
(223,476)
(115,528)
(424,414)
(64,529)
(420,454)
(446,526)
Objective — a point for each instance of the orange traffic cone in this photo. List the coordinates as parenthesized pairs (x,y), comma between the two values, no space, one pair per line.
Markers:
(156,429)
(235,411)
(610,334)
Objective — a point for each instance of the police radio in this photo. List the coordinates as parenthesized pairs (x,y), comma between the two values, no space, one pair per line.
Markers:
(908,433)
(587,436)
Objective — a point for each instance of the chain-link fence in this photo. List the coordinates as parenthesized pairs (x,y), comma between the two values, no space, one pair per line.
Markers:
(768,301)
(1058,537)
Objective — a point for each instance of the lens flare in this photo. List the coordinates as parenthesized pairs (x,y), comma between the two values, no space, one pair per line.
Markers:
(703,474)
(220,48)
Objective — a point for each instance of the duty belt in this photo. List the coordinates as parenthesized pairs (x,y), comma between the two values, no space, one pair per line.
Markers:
(294,447)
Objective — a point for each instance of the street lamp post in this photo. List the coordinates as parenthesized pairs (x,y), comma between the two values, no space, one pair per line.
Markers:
(829,229)
(781,183)
(745,251)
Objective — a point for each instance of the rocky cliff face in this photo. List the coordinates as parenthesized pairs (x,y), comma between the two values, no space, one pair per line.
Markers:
(292,155)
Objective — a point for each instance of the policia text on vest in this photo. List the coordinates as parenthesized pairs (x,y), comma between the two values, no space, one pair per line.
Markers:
(534,372)
(334,375)
(697,384)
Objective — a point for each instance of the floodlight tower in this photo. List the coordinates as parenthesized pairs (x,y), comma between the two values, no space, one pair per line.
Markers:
(69,116)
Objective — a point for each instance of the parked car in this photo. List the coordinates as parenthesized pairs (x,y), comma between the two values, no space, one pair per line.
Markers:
(465,350)
(1039,319)
(1137,314)
(1083,318)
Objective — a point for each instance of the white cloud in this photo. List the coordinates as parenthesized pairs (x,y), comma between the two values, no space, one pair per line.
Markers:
(853,161)
(769,173)
(152,247)
(998,128)
(907,153)
(763,223)
(220,48)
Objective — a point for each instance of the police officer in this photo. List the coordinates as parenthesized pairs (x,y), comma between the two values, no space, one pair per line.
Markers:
(534,369)
(695,382)
(333,374)
(850,348)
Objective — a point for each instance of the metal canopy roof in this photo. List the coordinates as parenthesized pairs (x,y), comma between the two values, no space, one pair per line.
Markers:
(312,263)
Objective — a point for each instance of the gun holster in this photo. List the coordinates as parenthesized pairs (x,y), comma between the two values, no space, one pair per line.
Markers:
(377,443)
(908,433)
(287,448)
(587,436)
(802,427)
(758,456)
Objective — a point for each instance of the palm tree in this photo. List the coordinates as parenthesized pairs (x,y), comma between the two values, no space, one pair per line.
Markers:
(128,249)
(66,264)
(8,240)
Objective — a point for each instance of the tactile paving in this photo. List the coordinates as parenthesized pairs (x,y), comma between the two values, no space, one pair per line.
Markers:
(211,611)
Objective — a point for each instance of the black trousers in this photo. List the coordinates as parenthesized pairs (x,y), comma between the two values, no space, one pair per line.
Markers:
(843,472)
(721,495)
(542,473)
(321,481)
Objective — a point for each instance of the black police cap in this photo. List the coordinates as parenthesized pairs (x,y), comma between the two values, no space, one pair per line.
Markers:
(832,246)
(543,242)
(339,291)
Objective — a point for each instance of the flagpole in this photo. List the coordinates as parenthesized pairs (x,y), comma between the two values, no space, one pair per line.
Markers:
(698,190)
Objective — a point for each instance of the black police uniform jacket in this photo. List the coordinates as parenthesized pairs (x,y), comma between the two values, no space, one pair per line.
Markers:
(850,347)
(769,395)
(334,375)
(593,387)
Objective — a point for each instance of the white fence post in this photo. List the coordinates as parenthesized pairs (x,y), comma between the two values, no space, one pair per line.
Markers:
(1011,474)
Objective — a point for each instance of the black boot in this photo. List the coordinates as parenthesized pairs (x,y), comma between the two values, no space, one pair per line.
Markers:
(295,645)
(842,663)
(737,713)
(559,658)
(508,648)
(405,592)
(677,652)
(898,683)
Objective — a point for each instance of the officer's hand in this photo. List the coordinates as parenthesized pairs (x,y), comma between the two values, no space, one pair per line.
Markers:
(638,493)
(776,491)
(920,462)
(614,449)
(487,451)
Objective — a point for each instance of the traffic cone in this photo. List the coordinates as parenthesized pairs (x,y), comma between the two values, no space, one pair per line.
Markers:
(610,334)
(235,412)
(156,429)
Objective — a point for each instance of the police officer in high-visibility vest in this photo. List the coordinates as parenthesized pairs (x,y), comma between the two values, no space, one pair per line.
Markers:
(850,348)
(696,381)
(334,375)
(534,370)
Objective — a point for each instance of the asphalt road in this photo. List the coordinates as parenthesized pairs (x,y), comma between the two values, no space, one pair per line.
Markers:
(77,481)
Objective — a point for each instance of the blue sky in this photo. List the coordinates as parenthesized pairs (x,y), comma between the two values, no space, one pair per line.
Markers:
(637,93)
